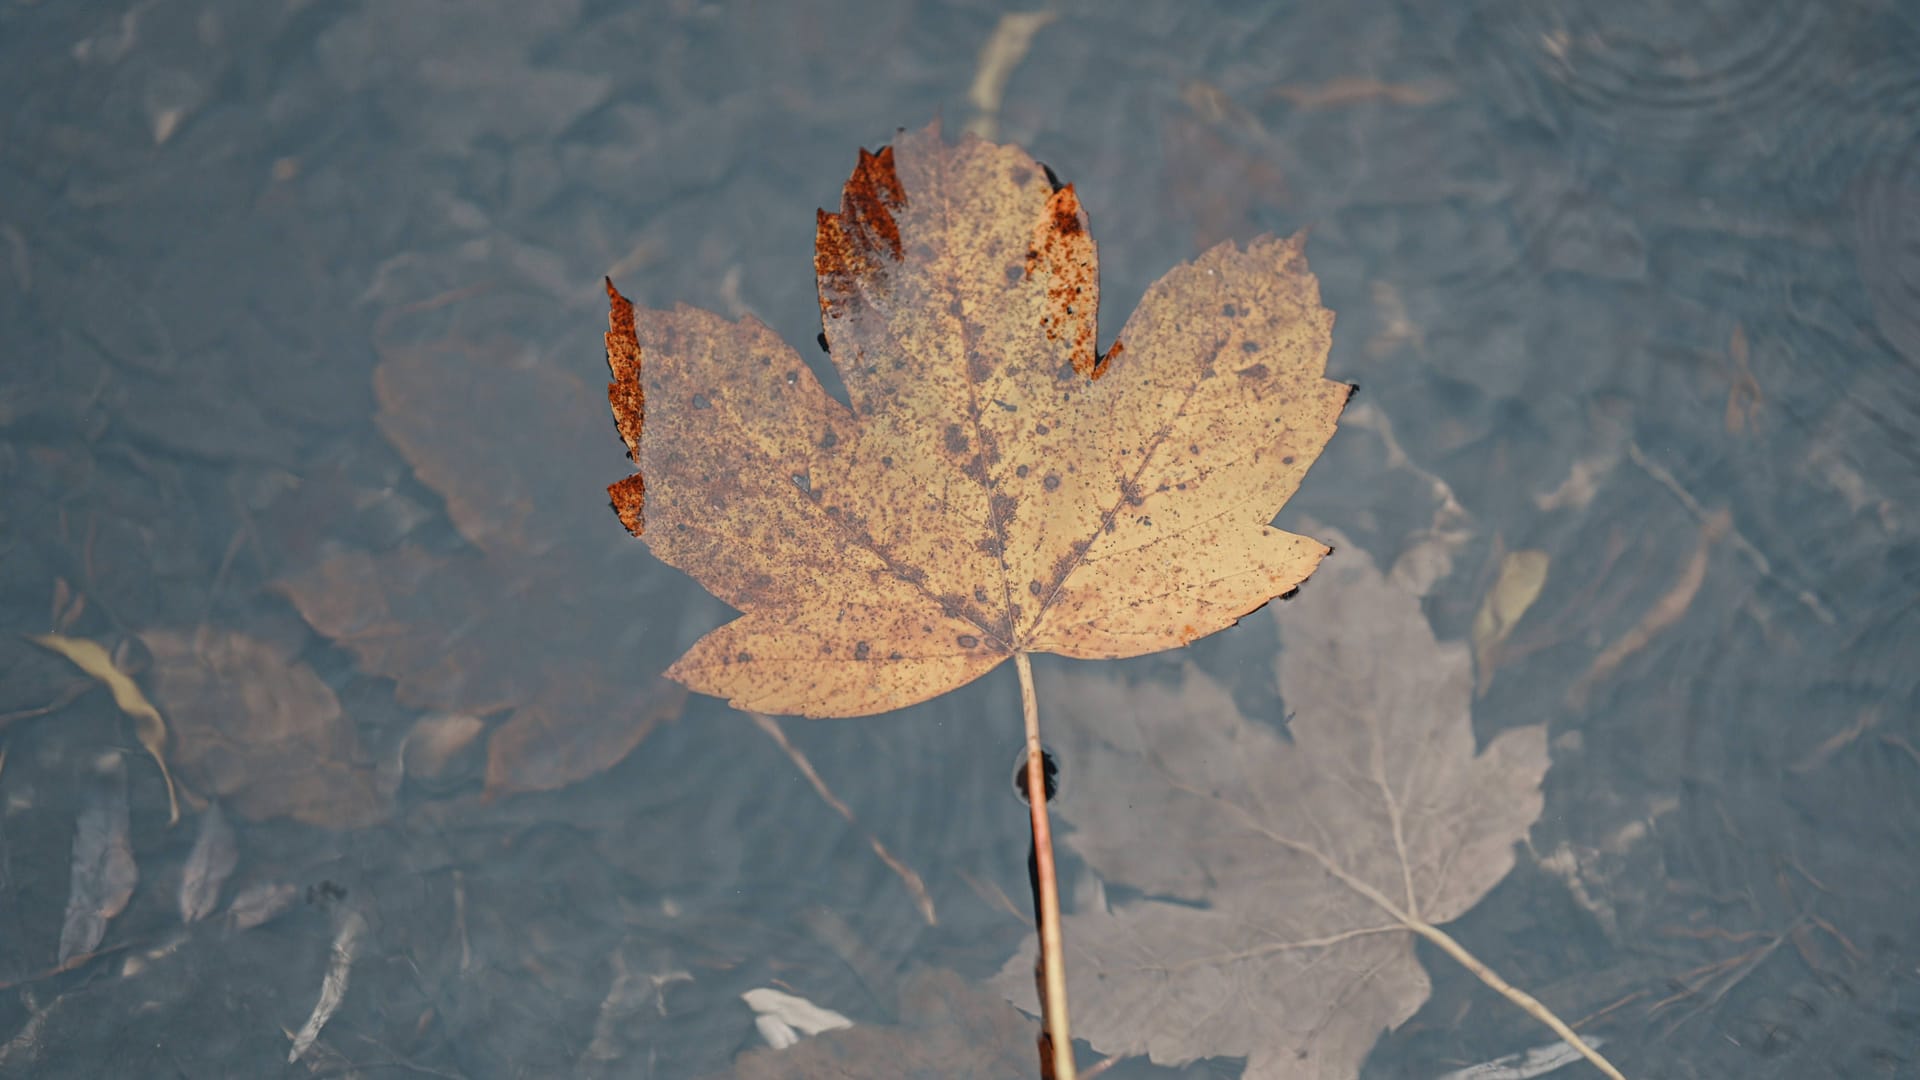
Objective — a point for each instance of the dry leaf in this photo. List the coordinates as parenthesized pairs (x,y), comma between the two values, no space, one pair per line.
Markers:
(996,485)
(148,726)
(259,730)
(947,1029)
(1286,880)
(104,873)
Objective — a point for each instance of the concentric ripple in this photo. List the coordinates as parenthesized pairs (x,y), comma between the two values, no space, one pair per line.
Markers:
(1641,71)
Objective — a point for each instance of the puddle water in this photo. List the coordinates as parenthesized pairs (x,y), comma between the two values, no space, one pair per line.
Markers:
(302,425)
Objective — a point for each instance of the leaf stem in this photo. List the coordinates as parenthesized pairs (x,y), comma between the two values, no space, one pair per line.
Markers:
(1527,1002)
(1053,960)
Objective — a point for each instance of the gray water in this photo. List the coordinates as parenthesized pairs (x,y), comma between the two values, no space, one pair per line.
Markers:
(1609,273)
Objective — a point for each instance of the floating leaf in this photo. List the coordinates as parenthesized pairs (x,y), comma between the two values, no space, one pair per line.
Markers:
(1286,879)
(996,484)
(148,726)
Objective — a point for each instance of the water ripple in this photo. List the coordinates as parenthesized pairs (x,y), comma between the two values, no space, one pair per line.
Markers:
(1725,72)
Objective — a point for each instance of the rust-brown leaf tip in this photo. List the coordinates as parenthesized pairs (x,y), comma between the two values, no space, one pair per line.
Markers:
(629,401)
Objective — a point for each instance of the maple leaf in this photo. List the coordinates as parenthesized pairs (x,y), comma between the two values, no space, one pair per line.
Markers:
(993,485)
(1285,881)
(501,628)
(258,729)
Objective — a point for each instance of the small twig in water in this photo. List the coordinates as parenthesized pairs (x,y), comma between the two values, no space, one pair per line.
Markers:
(906,873)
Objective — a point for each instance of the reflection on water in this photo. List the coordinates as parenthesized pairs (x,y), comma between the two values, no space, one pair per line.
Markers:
(303,310)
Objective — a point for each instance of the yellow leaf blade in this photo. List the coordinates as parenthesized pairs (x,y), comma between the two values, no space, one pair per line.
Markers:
(148,726)
(858,659)
(993,475)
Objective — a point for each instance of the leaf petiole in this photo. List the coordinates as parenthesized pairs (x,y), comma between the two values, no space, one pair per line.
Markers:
(1053,1001)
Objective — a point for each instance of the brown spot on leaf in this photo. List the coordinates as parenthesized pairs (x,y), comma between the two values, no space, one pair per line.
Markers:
(1064,564)
(1257,373)
(967,641)
(1051,481)
(861,649)
(1003,508)
(956,439)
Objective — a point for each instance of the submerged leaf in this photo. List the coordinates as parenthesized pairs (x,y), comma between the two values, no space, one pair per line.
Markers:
(148,726)
(947,1029)
(512,626)
(1286,878)
(352,926)
(259,903)
(258,729)
(568,736)
(215,853)
(1522,575)
(104,872)
(784,1019)
(996,484)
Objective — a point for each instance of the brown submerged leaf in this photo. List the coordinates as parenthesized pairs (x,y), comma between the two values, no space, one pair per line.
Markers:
(947,1028)
(1295,873)
(507,628)
(258,729)
(465,635)
(996,485)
